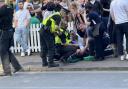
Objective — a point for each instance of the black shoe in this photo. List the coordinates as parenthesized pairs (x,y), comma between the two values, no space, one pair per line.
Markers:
(6,74)
(64,61)
(44,64)
(53,65)
(18,70)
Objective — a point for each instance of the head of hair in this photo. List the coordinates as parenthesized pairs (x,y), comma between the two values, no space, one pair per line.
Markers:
(89,7)
(50,6)
(57,8)
(73,5)
(21,1)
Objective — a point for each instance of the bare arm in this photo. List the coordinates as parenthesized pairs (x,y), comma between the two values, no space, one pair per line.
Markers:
(37,10)
(28,18)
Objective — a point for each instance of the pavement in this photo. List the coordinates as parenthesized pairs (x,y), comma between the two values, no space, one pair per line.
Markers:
(33,63)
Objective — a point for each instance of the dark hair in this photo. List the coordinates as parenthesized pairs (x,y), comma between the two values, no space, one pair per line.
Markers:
(21,1)
(50,6)
(89,6)
(58,8)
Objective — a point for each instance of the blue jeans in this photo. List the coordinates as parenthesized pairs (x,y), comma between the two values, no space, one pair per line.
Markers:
(21,36)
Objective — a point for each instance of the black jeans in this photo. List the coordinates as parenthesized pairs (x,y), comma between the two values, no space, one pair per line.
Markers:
(47,45)
(6,41)
(65,50)
(121,30)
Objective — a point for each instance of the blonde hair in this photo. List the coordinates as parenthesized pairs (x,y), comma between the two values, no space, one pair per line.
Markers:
(74,5)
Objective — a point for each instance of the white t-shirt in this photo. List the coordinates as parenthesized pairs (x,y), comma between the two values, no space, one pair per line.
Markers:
(119,11)
(22,16)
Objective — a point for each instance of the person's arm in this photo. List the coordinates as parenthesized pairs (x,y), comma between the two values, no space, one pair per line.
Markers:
(28,16)
(37,10)
(80,42)
(106,9)
(44,6)
(105,5)
(15,20)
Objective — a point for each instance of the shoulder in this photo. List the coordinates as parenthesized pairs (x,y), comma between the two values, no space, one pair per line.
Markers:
(56,16)
(25,11)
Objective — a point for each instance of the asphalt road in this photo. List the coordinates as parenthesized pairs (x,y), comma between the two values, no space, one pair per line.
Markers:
(66,80)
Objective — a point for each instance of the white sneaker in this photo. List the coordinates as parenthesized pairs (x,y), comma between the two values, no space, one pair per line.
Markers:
(22,54)
(122,58)
(28,52)
(11,49)
(126,56)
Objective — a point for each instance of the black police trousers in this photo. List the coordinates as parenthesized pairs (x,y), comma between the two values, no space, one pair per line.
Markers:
(47,42)
(65,51)
(6,41)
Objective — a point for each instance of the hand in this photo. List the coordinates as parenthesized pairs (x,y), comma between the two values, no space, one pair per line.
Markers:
(80,51)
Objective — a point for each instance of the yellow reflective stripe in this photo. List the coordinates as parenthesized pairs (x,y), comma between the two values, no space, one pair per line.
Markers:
(44,21)
(57,40)
(67,39)
(53,25)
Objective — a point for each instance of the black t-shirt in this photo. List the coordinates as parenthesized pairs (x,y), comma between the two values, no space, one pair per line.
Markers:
(96,7)
(105,5)
(6,17)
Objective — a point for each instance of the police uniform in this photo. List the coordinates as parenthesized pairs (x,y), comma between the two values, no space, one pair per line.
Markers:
(50,25)
(63,47)
(6,40)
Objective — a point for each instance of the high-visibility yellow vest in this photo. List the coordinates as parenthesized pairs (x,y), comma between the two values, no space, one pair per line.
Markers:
(68,40)
(53,23)
(59,41)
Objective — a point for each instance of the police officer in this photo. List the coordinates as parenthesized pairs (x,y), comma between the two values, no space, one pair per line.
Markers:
(50,25)
(64,48)
(6,41)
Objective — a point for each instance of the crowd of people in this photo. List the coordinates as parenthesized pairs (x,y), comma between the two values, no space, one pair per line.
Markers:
(98,29)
